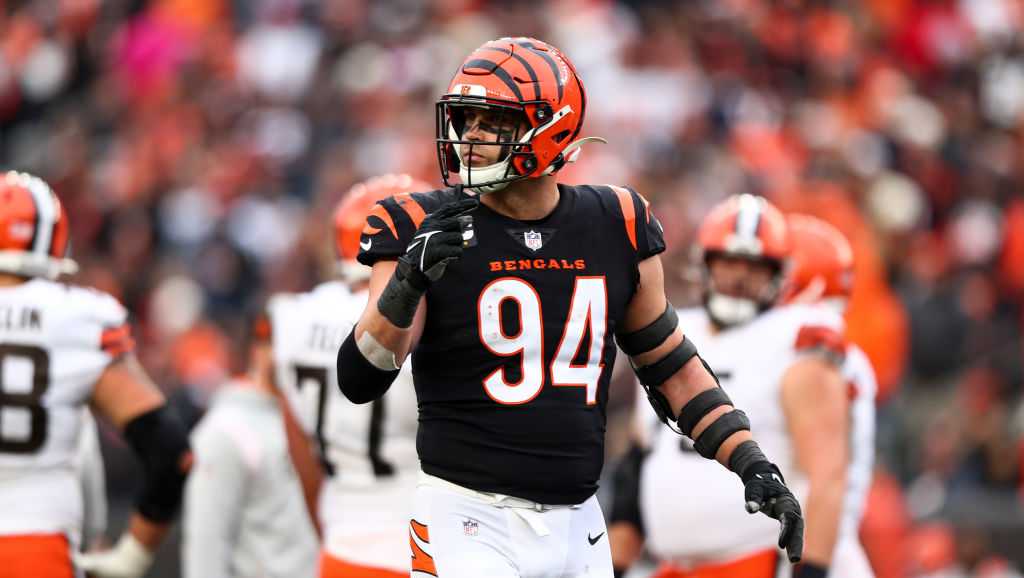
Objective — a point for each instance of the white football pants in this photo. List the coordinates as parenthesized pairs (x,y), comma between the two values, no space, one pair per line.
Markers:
(456,532)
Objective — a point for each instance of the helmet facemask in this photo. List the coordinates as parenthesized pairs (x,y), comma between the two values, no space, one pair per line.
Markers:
(512,134)
(725,307)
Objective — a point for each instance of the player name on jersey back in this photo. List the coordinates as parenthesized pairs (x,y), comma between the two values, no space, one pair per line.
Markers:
(20,318)
(55,342)
(512,368)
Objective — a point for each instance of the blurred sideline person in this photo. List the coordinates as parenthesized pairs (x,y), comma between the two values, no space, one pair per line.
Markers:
(783,364)
(62,347)
(245,515)
(821,272)
(89,464)
(368,452)
(511,289)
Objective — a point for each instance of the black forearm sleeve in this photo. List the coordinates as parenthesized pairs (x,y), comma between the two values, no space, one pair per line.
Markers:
(401,296)
(161,442)
(359,380)
(745,455)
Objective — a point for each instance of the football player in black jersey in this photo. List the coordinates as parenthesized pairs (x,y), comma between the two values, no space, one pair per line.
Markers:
(511,291)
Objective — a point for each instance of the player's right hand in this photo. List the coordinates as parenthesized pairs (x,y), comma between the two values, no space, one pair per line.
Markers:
(765,491)
(437,242)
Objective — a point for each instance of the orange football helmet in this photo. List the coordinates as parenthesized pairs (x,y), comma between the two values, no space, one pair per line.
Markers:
(821,264)
(513,76)
(33,228)
(350,217)
(743,227)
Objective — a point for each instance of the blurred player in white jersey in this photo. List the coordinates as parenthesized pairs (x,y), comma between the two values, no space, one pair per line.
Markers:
(368,451)
(62,347)
(782,363)
(244,515)
(821,272)
(89,463)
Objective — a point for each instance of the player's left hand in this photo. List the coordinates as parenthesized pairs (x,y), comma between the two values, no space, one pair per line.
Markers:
(127,559)
(765,491)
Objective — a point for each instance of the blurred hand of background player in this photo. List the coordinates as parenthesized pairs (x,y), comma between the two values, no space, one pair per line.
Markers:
(437,242)
(765,491)
(127,559)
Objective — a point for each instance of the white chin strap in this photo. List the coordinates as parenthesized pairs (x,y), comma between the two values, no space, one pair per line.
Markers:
(483,175)
(32,265)
(729,311)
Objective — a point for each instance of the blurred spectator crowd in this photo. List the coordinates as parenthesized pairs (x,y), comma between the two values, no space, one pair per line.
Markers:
(200,144)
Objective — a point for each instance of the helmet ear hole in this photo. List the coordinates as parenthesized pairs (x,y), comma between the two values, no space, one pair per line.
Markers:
(561,136)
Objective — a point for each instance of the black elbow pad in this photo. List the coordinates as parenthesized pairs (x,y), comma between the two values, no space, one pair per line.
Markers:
(359,380)
(161,442)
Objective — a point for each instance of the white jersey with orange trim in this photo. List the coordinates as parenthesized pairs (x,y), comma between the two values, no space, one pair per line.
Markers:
(750,361)
(860,375)
(55,342)
(370,449)
(849,559)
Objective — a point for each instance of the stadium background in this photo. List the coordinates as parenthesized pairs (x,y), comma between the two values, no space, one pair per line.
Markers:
(199,146)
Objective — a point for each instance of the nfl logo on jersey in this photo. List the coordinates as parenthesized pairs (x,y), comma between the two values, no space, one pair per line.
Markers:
(470,527)
(533,240)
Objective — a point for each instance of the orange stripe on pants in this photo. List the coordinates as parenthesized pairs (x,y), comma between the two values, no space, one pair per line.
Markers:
(331,567)
(35,556)
(761,565)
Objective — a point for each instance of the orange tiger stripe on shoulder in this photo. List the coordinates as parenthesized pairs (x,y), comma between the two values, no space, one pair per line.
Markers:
(647,208)
(411,208)
(117,341)
(628,212)
(381,213)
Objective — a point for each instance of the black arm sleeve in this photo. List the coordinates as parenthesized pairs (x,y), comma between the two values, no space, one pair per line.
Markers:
(161,442)
(359,380)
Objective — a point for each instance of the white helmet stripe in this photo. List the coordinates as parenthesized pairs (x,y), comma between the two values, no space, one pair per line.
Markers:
(748,217)
(46,215)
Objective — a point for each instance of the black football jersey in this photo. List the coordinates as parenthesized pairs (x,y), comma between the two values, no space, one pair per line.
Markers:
(513,366)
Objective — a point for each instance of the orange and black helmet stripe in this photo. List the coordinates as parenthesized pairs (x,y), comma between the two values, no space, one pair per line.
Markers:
(524,63)
(495,69)
(550,62)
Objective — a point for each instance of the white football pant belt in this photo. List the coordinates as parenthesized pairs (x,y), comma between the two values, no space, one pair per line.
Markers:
(529,511)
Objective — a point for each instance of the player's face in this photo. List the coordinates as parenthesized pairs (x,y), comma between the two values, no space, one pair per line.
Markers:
(483,125)
(740,277)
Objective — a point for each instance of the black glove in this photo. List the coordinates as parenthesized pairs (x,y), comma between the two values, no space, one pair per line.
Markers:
(765,491)
(437,242)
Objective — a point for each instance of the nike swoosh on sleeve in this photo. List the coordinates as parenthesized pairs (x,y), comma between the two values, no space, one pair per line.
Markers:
(366,247)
